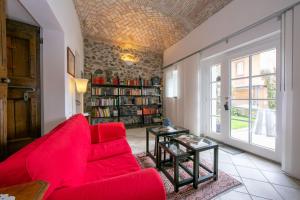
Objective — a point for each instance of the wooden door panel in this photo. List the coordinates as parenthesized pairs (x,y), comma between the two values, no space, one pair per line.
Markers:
(22,123)
(3,86)
(3,118)
(23,71)
(11,129)
(21,58)
(3,70)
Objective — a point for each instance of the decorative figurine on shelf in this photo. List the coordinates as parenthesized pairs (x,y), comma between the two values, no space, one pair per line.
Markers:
(167,122)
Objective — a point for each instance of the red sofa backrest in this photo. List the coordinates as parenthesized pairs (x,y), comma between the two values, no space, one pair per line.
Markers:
(59,157)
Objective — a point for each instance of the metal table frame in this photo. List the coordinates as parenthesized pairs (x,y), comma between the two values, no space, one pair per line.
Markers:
(211,174)
(190,154)
(158,136)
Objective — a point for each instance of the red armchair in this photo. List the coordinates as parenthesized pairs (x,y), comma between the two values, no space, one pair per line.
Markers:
(83,162)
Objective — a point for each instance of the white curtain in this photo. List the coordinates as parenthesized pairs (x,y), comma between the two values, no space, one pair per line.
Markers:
(170,105)
(184,109)
(290,87)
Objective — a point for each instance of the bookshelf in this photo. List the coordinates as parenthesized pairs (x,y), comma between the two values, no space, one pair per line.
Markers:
(134,102)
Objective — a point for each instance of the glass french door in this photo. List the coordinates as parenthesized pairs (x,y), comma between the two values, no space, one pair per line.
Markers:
(215,98)
(253,98)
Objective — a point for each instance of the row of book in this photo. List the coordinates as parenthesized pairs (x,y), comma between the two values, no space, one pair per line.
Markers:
(104,91)
(128,91)
(150,111)
(131,100)
(151,91)
(104,112)
(150,100)
(104,102)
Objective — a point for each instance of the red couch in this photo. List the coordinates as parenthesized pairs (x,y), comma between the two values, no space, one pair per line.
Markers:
(80,161)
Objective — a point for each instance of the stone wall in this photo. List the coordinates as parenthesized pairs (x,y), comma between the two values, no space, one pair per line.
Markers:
(104,58)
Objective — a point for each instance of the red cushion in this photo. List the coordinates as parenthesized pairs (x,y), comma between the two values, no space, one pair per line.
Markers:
(140,185)
(111,167)
(13,170)
(106,132)
(109,149)
(61,159)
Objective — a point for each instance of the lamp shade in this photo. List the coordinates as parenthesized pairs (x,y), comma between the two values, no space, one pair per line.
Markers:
(81,84)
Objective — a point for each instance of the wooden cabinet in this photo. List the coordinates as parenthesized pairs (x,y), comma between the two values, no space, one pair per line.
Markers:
(3,77)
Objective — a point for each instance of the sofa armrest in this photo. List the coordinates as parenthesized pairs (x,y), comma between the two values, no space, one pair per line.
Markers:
(106,132)
(145,184)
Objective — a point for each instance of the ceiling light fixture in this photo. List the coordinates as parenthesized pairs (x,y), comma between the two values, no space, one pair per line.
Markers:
(129,58)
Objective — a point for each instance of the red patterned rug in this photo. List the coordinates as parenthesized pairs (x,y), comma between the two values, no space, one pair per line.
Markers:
(205,191)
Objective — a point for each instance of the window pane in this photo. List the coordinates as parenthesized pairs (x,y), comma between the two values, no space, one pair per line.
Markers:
(216,107)
(216,73)
(264,123)
(240,89)
(240,68)
(215,124)
(240,119)
(264,63)
(215,90)
(264,87)
(172,83)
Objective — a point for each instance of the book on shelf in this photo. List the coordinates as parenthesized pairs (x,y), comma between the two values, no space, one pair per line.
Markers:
(130,91)
(104,112)
(104,102)
(128,100)
(150,111)
(151,91)
(150,100)
(104,91)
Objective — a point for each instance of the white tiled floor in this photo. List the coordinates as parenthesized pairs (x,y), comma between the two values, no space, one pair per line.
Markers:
(261,178)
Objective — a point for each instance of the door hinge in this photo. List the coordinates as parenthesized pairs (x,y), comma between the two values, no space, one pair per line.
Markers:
(41,40)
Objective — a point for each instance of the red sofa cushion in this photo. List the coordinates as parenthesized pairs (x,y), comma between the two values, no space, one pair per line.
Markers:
(140,185)
(109,149)
(61,160)
(111,167)
(106,132)
(13,170)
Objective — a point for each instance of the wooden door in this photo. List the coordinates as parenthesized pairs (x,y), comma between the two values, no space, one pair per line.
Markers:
(3,84)
(23,101)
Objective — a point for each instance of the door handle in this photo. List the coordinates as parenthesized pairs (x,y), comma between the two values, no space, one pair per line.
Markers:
(226,106)
(5,80)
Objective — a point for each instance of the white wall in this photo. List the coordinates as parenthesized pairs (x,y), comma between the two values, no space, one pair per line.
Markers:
(61,29)
(16,11)
(66,14)
(232,18)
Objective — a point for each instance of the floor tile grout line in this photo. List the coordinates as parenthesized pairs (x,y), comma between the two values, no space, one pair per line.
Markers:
(269,181)
(242,181)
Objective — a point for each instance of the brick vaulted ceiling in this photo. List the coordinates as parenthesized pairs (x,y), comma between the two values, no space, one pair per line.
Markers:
(150,24)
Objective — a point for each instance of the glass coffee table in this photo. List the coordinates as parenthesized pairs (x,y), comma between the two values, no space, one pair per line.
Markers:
(159,133)
(184,147)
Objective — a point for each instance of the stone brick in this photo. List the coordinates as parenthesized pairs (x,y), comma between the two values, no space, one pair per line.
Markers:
(147,24)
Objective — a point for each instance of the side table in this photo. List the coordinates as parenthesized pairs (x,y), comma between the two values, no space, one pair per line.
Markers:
(34,190)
